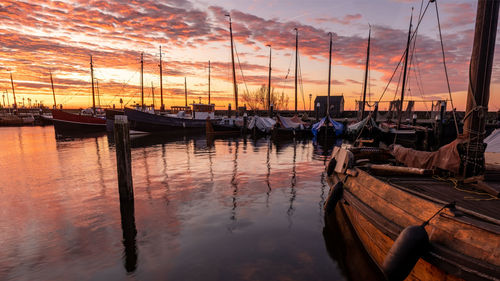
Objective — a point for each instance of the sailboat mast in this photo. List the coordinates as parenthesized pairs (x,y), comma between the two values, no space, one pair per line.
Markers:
(404,72)
(329,77)
(366,74)
(296,64)
(269,84)
(478,95)
(142,81)
(98,93)
(185,92)
(232,61)
(153,94)
(53,92)
(162,106)
(13,92)
(8,101)
(92,82)
(208,82)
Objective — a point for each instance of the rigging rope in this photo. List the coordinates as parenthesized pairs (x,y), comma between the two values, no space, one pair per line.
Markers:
(241,70)
(301,82)
(446,71)
(404,53)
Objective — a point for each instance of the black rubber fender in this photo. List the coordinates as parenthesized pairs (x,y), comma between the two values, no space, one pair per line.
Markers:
(411,244)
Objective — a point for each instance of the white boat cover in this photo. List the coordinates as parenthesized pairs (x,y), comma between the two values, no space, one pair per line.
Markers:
(355,129)
(493,141)
(264,124)
(291,123)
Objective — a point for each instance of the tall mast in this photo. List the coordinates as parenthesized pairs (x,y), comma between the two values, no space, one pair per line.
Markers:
(296,62)
(404,72)
(209,82)
(479,83)
(329,77)
(162,106)
(366,74)
(185,92)
(142,81)
(92,81)
(269,84)
(98,92)
(153,94)
(13,92)
(8,102)
(234,71)
(53,92)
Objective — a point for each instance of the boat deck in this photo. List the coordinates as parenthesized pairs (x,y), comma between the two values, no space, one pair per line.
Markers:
(466,196)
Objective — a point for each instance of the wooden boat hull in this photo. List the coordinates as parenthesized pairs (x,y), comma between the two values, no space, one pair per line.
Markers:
(153,123)
(71,123)
(288,134)
(344,246)
(462,246)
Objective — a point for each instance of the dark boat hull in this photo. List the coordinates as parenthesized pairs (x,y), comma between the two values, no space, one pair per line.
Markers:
(71,123)
(214,128)
(110,118)
(288,134)
(153,123)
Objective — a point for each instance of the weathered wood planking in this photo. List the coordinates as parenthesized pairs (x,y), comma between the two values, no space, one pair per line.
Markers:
(476,240)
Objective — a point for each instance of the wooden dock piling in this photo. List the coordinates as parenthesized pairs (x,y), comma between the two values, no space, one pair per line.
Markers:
(123,158)
(125,187)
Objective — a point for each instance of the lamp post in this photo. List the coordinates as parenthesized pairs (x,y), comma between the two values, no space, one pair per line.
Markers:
(310,99)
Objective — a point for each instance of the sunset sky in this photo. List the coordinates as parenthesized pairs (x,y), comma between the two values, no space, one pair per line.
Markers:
(42,36)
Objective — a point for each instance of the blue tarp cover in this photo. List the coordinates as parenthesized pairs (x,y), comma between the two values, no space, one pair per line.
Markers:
(339,127)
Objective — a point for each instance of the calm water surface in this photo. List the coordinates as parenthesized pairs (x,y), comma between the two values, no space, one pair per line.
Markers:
(233,209)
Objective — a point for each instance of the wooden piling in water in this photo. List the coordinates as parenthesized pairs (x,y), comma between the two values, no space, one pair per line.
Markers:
(125,187)
(123,158)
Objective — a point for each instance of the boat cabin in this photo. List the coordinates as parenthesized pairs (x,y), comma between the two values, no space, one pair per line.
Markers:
(197,111)
(202,111)
(177,109)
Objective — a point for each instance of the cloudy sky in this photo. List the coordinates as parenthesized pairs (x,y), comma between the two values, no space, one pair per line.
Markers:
(42,36)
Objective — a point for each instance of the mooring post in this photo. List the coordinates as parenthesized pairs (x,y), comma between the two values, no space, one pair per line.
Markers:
(126,191)
(123,158)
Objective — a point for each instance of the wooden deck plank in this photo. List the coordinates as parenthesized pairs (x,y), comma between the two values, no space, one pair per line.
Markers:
(445,191)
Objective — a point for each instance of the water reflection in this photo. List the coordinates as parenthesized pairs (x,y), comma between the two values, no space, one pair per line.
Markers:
(343,246)
(234,184)
(268,175)
(62,198)
(129,234)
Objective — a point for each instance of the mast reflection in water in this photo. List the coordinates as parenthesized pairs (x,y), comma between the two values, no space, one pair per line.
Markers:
(228,209)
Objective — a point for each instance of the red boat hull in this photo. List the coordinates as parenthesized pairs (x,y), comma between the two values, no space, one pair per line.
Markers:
(65,122)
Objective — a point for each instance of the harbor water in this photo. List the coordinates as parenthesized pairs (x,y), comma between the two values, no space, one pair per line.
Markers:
(227,209)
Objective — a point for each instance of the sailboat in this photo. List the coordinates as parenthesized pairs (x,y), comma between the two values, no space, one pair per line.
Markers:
(287,128)
(15,118)
(144,120)
(229,125)
(428,215)
(85,122)
(327,127)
